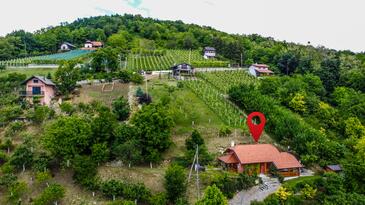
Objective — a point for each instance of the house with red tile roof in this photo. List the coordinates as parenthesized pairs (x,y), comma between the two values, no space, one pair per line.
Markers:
(258,158)
(258,70)
(90,45)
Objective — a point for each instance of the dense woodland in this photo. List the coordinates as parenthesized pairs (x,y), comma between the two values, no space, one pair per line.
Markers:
(315,105)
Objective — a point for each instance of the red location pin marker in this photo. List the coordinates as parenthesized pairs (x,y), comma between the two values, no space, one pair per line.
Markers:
(256,130)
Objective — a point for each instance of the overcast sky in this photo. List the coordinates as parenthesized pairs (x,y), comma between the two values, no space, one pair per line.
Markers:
(338,24)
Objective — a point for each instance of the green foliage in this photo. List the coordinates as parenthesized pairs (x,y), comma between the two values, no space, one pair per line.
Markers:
(175,182)
(121,108)
(50,195)
(16,191)
(308,192)
(13,128)
(129,152)
(67,137)
(100,152)
(158,199)
(40,114)
(112,188)
(22,156)
(224,131)
(84,169)
(9,113)
(67,108)
(42,177)
(154,126)
(300,136)
(229,184)
(7,180)
(213,196)
(102,126)
(105,59)
(66,77)
(194,140)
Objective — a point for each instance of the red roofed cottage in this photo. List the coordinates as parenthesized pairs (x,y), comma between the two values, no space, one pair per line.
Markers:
(257,158)
(39,87)
(258,70)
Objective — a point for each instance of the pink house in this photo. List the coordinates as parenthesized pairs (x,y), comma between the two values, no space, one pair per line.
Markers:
(39,87)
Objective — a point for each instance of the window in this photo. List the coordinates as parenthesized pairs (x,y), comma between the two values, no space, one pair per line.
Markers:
(36,90)
(35,81)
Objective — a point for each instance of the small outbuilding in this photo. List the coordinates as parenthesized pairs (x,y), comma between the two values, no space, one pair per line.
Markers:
(259,70)
(333,168)
(66,46)
(209,52)
(182,69)
(93,44)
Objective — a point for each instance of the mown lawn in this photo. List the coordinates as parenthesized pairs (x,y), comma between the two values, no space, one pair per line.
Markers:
(29,71)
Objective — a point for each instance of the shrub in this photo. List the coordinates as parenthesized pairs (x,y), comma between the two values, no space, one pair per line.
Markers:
(121,108)
(224,131)
(50,195)
(175,182)
(67,108)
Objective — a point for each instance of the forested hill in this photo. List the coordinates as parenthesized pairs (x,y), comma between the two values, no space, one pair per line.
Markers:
(129,32)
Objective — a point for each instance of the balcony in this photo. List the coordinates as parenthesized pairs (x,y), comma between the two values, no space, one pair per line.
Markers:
(30,93)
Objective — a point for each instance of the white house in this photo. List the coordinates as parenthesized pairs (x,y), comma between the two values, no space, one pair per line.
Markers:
(93,44)
(209,52)
(258,70)
(66,46)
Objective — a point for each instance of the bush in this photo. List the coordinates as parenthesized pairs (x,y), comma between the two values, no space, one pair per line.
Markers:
(121,108)
(67,108)
(175,182)
(84,169)
(3,158)
(224,131)
(50,195)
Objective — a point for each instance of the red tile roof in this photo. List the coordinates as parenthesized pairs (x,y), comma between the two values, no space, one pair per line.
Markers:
(97,43)
(261,65)
(286,160)
(263,70)
(260,153)
(229,159)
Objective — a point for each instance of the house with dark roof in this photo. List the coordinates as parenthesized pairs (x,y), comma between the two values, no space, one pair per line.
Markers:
(333,168)
(182,69)
(259,70)
(209,52)
(258,158)
(66,46)
(39,88)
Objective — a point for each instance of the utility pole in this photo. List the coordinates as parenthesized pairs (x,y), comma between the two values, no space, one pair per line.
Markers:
(196,165)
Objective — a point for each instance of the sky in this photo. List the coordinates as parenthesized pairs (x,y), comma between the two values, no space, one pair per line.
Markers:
(337,24)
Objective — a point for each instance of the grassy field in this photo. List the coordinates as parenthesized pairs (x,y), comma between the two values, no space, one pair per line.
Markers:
(89,93)
(29,71)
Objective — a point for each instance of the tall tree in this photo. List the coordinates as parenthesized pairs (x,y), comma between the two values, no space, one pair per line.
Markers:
(67,76)
(175,182)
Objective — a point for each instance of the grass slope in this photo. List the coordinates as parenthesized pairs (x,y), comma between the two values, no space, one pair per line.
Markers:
(29,71)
